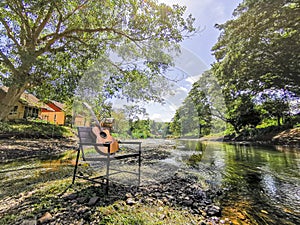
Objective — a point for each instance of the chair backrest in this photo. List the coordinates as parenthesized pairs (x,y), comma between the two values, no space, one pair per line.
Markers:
(85,135)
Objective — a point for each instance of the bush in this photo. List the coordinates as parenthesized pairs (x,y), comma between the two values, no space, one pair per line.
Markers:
(4,127)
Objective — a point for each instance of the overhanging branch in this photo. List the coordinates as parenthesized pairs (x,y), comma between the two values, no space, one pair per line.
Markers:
(43,23)
(8,62)
(9,32)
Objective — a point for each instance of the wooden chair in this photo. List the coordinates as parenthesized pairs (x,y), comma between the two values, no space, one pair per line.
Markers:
(89,150)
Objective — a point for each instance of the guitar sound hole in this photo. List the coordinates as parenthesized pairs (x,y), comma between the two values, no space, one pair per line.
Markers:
(103,134)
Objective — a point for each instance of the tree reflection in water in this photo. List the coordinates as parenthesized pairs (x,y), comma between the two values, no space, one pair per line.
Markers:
(262,184)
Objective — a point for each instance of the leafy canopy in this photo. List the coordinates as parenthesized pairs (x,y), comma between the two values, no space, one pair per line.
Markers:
(48,45)
(259,49)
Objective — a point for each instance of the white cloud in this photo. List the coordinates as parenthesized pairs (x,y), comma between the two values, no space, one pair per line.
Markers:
(193,79)
(182,89)
(156,116)
(159,112)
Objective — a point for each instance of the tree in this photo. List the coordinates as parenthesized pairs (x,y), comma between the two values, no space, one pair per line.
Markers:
(242,113)
(175,125)
(188,118)
(141,129)
(259,49)
(275,105)
(47,45)
(132,113)
(120,125)
(199,99)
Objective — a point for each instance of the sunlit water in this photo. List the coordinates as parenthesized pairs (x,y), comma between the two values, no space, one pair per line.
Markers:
(261,185)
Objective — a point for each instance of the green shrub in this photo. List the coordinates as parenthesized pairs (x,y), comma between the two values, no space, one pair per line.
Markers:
(267,123)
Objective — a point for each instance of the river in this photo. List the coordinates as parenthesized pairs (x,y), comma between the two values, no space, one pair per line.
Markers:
(261,185)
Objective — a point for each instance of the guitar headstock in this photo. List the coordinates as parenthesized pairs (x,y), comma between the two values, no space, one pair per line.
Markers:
(87,105)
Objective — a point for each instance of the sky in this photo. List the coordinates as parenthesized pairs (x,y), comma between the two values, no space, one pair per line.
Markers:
(207,13)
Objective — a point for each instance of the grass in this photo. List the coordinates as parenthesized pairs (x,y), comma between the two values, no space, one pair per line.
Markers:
(141,214)
(38,129)
(30,187)
(20,176)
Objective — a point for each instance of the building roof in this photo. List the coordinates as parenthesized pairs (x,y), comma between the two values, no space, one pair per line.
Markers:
(58,104)
(27,99)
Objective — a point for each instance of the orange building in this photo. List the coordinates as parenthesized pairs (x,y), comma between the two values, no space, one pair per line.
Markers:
(54,113)
(28,106)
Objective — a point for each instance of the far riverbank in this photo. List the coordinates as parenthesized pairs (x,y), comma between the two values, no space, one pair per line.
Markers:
(287,137)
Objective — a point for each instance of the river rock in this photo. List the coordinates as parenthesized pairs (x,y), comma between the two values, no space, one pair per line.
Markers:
(45,218)
(29,222)
(93,201)
(130,201)
(71,196)
(213,210)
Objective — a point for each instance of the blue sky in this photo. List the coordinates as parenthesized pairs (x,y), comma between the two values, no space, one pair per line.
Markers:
(207,13)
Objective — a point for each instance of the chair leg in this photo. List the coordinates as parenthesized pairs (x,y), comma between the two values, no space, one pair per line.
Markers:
(140,152)
(107,171)
(76,165)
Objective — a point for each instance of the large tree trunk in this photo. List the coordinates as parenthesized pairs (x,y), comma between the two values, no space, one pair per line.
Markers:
(11,98)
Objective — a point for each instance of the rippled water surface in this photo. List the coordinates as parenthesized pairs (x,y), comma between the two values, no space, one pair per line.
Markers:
(261,184)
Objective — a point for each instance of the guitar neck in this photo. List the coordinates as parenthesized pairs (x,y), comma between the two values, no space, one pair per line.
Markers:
(93,115)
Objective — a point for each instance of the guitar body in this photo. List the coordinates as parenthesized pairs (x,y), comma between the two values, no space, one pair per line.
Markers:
(104,137)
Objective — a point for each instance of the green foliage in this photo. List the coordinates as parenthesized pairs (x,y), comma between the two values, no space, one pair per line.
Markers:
(158,129)
(38,129)
(5,127)
(203,110)
(186,121)
(175,126)
(141,129)
(258,50)
(257,55)
(47,46)
(242,113)
(268,122)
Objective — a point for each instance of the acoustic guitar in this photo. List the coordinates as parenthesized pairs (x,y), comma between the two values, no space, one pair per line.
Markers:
(102,135)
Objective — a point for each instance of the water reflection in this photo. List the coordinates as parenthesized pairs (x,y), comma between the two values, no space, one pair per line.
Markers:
(187,153)
(263,182)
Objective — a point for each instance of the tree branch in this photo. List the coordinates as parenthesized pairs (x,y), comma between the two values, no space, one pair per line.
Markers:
(75,10)
(18,12)
(43,24)
(8,62)
(9,32)
(24,17)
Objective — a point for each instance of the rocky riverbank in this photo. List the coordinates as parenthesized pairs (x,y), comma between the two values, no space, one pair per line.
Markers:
(269,136)
(37,191)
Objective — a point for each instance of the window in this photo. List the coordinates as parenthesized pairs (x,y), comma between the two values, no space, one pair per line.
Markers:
(14,110)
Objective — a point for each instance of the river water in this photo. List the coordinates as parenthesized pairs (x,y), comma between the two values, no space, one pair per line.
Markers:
(261,185)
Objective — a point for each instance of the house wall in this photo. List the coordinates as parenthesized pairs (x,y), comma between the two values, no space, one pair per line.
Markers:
(17,114)
(81,121)
(21,111)
(54,117)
